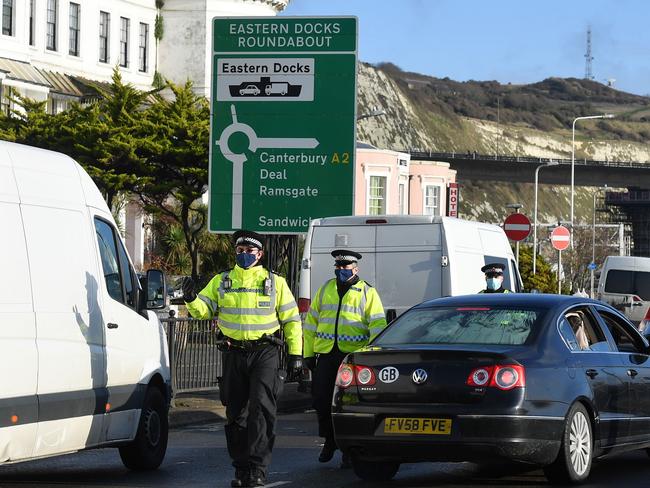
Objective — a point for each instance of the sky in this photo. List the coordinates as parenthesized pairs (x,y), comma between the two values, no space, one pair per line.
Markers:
(504,40)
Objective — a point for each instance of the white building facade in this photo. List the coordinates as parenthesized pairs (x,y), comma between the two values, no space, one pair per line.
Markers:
(48,48)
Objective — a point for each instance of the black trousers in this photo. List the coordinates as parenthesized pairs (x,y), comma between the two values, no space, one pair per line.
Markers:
(250,386)
(322,389)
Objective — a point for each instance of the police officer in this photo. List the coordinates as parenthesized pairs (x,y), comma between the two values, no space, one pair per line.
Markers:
(251,304)
(345,314)
(494,278)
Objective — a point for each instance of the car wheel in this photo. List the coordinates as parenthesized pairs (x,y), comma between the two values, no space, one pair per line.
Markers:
(374,471)
(147,450)
(573,462)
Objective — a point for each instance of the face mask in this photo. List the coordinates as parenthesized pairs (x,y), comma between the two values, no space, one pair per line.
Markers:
(245,260)
(494,283)
(343,275)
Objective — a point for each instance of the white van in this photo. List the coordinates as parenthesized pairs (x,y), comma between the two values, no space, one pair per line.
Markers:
(625,284)
(407,258)
(84,362)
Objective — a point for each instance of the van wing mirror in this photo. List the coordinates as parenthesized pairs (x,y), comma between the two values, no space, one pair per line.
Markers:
(156,290)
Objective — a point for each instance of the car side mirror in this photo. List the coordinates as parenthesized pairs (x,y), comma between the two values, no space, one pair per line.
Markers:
(156,290)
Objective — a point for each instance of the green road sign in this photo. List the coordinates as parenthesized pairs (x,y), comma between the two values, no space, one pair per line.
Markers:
(283,122)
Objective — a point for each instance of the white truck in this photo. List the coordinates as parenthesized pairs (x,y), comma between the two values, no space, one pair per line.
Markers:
(83,356)
(407,258)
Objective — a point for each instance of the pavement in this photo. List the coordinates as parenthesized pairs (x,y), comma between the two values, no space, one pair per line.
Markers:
(205,407)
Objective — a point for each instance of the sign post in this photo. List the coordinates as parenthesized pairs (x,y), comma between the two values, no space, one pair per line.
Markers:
(283,122)
(517,228)
(560,239)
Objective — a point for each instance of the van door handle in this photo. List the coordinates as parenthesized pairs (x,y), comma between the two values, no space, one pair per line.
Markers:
(592,373)
(632,372)
(111,325)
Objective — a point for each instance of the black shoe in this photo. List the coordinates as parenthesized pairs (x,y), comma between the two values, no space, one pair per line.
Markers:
(346,463)
(241,478)
(327,453)
(256,478)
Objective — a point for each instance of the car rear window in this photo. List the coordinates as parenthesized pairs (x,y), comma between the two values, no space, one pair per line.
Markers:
(462,325)
(628,283)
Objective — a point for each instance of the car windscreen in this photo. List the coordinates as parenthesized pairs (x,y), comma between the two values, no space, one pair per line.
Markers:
(628,283)
(462,325)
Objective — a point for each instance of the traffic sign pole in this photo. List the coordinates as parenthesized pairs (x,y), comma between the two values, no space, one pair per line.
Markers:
(559,271)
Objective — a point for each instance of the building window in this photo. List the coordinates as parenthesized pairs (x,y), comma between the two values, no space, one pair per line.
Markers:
(124,41)
(104,28)
(402,198)
(377,195)
(32,25)
(431,200)
(51,25)
(8,17)
(144,47)
(74,29)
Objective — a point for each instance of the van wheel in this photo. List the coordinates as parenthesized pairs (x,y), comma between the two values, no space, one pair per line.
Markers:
(147,450)
(374,471)
(573,462)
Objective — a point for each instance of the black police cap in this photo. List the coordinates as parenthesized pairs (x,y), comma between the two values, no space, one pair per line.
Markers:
(493,268)
(343,257)
(248,238)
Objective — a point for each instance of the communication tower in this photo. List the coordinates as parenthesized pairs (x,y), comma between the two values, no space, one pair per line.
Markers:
(588,57)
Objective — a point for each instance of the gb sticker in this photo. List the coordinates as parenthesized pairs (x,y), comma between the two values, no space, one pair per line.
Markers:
(388,374)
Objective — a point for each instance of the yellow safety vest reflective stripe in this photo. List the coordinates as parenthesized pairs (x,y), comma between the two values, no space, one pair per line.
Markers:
(249,303)
(351,322)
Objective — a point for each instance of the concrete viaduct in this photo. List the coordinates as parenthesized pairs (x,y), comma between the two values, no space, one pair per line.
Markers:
(472,166)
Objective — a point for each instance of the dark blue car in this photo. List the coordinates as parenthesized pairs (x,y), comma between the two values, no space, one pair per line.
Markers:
(549,380)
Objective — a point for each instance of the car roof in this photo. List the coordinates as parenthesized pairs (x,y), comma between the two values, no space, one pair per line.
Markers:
(533,300)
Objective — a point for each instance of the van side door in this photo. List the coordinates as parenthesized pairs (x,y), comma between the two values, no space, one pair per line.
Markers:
(128,334)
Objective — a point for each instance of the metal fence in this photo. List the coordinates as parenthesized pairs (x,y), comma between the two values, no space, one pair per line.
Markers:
(193,354)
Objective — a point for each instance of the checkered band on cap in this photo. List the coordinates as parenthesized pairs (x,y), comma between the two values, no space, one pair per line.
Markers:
(345,258)
(250,241)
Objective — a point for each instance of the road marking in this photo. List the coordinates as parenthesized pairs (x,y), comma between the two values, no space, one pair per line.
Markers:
(278,483)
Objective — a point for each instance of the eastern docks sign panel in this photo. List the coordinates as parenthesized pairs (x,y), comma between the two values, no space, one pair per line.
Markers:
(283,122)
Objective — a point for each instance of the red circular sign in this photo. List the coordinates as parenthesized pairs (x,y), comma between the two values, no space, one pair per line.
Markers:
(560,238)
(517,226)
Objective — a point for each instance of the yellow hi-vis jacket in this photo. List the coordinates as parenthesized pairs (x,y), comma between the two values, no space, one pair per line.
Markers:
(351,321)
(249,303)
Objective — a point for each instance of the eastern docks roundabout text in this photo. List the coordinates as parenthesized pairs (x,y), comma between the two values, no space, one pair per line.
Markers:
(284,35)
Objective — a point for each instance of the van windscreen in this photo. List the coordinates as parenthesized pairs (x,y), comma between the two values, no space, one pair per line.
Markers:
(628,283)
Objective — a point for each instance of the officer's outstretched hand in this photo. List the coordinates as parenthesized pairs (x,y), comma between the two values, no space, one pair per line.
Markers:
(294,367)
(189,290)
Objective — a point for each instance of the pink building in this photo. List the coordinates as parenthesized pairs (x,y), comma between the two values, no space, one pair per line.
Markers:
(389,182)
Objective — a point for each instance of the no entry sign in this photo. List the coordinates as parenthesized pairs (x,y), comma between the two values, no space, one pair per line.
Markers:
(516,226)
(560,238)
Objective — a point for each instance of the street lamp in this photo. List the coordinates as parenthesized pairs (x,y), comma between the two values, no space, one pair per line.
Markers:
(573,155)
(515,207)
(550,163)
(592,266)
